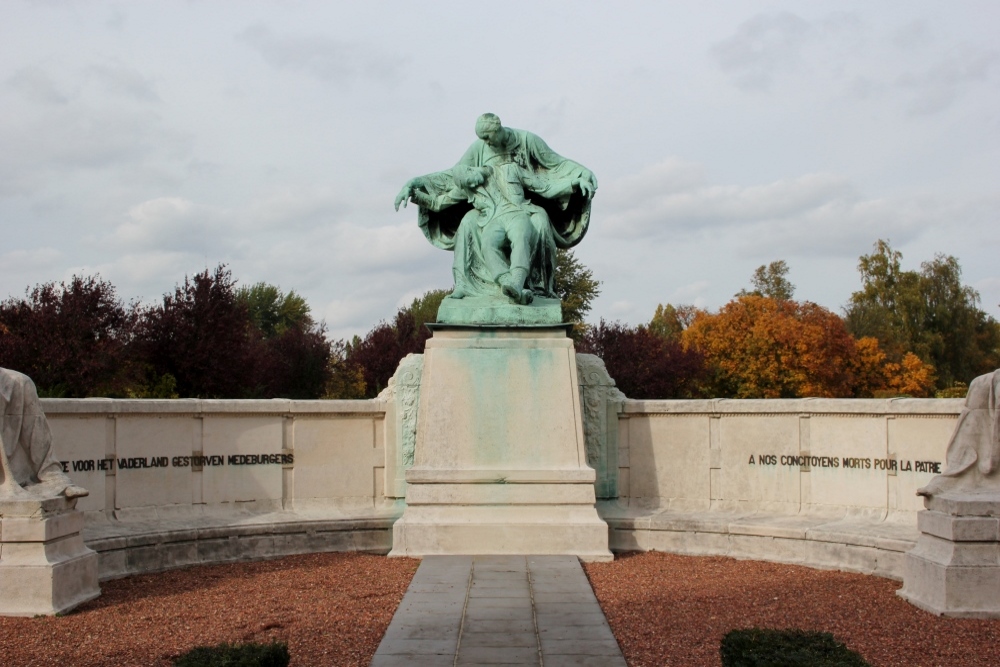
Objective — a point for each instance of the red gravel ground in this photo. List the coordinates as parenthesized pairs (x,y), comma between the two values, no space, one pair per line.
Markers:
(673,610)
(332,609)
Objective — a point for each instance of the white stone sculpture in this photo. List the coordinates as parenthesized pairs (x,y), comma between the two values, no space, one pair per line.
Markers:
(45,568)
(953,569)
(973,455)
(27,465)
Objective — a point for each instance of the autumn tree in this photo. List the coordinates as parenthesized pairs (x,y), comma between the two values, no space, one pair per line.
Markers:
(71,338)
(759,347)
(643,363)
(879,377)
(928,312)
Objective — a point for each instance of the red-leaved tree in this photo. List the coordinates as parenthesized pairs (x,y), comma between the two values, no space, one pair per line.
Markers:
(71,339)
(642,363)
(203,337)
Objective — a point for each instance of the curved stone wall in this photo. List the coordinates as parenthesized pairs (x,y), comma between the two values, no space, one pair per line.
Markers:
(822,482)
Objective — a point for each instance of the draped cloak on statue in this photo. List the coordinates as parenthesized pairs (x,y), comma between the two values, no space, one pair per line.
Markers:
(973,455)
(559,214)
(26,458)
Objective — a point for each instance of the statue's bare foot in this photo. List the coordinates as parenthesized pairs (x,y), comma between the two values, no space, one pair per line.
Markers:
(457,293)
(73,491)
(510,291)
(527,296)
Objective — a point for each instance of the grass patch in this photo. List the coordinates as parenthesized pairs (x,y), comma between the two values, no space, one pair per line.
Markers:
(236,655)
(755,647)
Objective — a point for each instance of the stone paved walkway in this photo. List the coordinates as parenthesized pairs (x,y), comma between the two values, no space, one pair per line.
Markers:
(499,610)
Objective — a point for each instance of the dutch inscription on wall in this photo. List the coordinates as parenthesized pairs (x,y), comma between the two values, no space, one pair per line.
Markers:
(143,462)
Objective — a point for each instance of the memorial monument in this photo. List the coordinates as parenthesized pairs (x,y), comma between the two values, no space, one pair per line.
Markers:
(954,569)
(499,463)
(45,568)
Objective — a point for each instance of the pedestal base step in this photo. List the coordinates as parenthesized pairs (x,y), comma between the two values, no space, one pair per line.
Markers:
(536,530)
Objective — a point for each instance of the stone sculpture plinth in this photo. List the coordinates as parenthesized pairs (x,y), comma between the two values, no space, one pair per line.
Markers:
(45,568)
(500,463)
(954,570)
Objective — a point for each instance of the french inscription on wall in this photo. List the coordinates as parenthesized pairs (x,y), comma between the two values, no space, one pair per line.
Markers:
(845,463)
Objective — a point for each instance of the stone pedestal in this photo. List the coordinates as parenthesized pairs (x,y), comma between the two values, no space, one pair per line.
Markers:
(954,570)
(45,568)
(500,463)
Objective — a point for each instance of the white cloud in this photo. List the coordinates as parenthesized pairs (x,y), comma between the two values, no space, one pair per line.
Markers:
(295,207)
(60,123)
(762,47)
(663,178)
(120,79)
(841,54)
(24,268)
(117,19)
(323,57)
(358,248)
(914,35)
(173,224)
(838,227)
(37,86)
(622,308)
(693,293)
(682,205)
(121,153)
(20,260)
(938,86)
(809,215)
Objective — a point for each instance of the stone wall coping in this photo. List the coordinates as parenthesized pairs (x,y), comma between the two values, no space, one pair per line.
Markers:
(805,406)
(714,406)
(200,406)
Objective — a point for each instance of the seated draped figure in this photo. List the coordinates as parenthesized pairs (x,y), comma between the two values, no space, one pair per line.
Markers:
(505,209)
(28,468)
(973,455)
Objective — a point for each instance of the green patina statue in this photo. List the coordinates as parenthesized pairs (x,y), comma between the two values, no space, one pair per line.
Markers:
(504,209)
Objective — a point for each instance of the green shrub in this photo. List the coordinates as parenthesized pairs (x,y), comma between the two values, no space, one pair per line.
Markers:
(757,647)
(957,390)
(236,655)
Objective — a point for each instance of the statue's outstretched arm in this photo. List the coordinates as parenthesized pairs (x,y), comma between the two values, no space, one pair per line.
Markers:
(406,193)
(439,202)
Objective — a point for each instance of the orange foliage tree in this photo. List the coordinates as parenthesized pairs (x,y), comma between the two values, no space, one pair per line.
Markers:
(879,377)
(760,347)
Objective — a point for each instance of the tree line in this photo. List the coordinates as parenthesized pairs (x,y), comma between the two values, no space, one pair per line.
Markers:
(206,339)
(904,333)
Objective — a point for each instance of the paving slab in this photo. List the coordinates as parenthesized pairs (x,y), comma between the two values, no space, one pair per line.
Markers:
(499,610)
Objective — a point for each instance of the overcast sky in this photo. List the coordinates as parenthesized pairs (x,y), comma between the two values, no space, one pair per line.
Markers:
(148,141)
